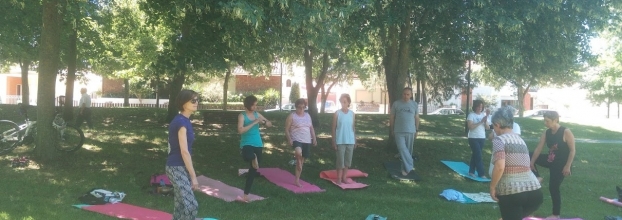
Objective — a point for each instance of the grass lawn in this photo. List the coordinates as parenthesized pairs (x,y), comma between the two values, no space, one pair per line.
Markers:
(129,145)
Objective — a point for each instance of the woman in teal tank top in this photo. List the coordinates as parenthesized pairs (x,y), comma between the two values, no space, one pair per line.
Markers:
(250,143)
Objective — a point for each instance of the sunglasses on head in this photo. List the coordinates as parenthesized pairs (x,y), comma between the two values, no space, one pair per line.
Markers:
(194,101)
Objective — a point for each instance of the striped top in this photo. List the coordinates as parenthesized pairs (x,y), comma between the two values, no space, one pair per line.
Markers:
(517,176)
(300,130)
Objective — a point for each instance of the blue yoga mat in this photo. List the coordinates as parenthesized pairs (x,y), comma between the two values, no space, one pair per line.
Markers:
(462,169)
(375,217)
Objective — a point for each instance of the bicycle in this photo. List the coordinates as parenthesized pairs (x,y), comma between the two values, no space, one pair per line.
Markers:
(70,137)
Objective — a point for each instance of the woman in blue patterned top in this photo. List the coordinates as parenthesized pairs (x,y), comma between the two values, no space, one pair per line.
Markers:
(179,167)
(512,184)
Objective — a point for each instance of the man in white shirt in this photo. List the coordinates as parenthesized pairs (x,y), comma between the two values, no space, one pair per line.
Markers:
(85,110)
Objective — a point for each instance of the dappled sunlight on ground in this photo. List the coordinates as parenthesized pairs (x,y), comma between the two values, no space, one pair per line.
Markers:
(92,148)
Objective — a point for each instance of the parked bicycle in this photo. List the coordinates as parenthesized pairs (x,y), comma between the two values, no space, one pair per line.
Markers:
(70,137)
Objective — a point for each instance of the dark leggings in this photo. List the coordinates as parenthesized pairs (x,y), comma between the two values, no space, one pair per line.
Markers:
(519,205)
(477,164)
(556,177)
(248,153)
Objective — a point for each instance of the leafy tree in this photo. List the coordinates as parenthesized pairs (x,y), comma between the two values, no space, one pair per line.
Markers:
(20,32)
(605,87)
(294,93)
(531,44)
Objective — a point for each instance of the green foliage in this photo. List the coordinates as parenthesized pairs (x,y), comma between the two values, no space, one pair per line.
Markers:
(294,93)
(605,86)
(490,101)
(270,98)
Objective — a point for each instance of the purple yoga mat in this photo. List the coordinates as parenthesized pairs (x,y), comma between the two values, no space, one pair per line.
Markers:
(221,190)
(286,180)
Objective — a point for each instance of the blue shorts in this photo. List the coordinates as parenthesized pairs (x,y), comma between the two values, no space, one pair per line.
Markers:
(306,147)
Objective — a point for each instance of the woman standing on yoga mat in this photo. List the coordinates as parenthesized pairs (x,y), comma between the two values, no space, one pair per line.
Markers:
(560,142)
(344,140)
(179,167)
(300,134)
(513,185)
(477,122)
(251,144)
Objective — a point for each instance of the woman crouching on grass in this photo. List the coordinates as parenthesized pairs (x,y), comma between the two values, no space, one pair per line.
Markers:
(251,143)
(344,140)
(513,185)
(179,167)
(300,135)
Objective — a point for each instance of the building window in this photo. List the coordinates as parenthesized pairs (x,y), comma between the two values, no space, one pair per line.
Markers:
(19,90)
(288,83)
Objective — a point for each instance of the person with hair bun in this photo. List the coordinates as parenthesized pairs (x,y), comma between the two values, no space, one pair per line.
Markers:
(251,145)
(561,144)
(344,140)
(512,184)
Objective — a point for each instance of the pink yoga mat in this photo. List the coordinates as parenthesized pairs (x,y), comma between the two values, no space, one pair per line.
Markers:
(331,175)
(538,218)
(611,201)
(286,180)
(127,211)
(221,190)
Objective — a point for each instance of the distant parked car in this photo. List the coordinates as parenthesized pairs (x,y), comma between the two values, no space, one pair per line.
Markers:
(535,113)
(329,106)
(447,111)
(287,108)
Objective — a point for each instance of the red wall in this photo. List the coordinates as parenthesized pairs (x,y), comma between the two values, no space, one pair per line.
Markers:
(249,84)
(12,83)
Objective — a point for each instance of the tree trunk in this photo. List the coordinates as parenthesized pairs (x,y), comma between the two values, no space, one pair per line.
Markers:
(48,66)
(608,108)
(176,85)
(396,62)
(72,57)
(126,93)
(323,96)
(418,96)
(521,92)
(225,87)
(180,75)
(313,90)
(157,93)
(424,97)
(25,65)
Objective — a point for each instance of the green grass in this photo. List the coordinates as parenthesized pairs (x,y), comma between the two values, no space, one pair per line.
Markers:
(129,145)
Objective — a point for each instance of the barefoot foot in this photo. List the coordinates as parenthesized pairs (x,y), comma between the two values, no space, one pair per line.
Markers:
(255,163)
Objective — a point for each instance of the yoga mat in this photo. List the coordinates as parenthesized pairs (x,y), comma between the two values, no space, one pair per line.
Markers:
(611,201)
(538,218)
(221,190)
(127,211)
(480,197)
(286,180)
(395,171)
(463,170)
(375,217)
(331,175)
